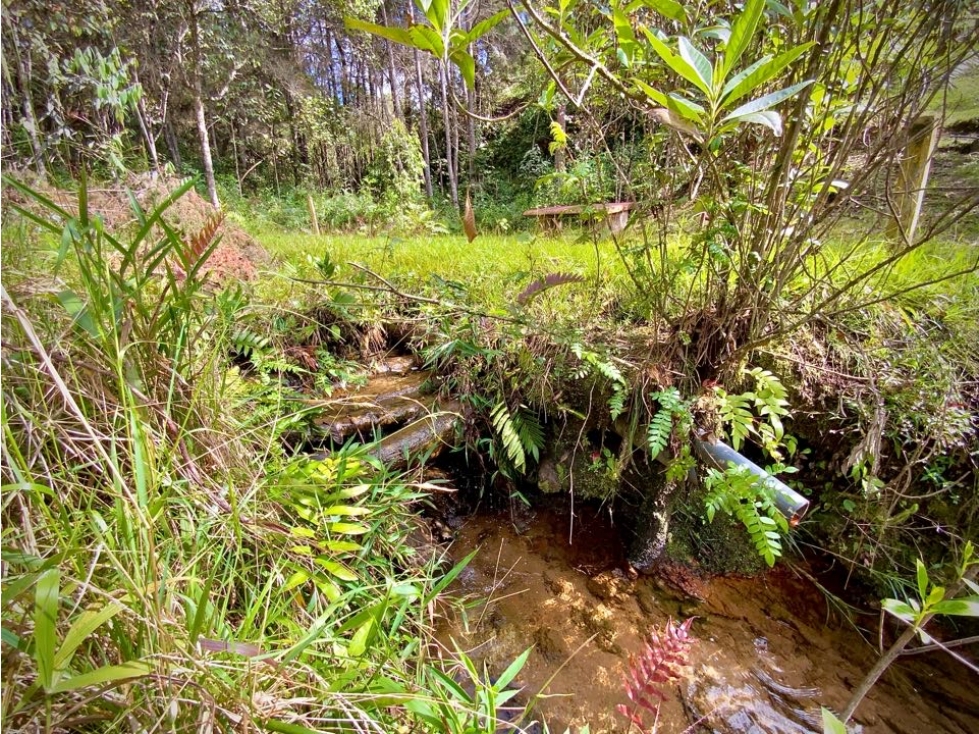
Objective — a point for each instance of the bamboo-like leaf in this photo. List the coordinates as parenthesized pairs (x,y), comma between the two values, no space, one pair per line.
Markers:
(348,528)
(347,510)
(742,31)
(103,675)
(513,669)
(769,100)
(45,620)
(81,629)
(337,569)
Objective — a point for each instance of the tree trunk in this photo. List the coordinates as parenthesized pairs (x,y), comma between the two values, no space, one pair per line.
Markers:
(146,132)
(395,102)
(198,90)
(30,119)
(172,145)
(422,113)
(447,122)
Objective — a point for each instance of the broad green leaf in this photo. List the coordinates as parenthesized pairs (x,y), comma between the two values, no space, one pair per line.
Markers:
(654,94)
(485,26)
(101,676)
(436,11)
(398,35)
(676,63)
(742,31)
(427,39)
(760,72)
(467,66)
(348,528)
(45,620)
(773,121)
(831,724)
(964,606)
(358,643)
(513,669)
(337,569)
(700,63)
(351,492)
(667,8)
(684,107)
(769,100)
(899,609)
(922,576)
(81,629)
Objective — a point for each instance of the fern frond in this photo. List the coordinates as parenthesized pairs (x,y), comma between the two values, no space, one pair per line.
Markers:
(530,431)
(507,433)
(659,432)
(660,663)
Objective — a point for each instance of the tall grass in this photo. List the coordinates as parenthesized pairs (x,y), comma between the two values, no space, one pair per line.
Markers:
(163,567)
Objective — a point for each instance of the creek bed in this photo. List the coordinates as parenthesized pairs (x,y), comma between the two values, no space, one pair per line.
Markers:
(769,650)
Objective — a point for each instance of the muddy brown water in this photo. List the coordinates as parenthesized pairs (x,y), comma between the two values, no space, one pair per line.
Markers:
(769,650)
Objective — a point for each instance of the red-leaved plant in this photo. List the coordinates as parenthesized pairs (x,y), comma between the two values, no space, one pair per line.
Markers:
(660,663)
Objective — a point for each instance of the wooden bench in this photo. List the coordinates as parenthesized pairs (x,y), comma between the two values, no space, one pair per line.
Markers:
(615,214)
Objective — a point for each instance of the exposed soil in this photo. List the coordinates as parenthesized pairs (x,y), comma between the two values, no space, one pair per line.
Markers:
(769,650)
(236,257)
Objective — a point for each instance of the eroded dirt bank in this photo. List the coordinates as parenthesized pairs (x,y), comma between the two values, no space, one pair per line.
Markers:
(769,650)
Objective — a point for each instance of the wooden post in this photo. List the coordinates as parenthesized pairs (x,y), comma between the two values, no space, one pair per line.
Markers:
(913,177)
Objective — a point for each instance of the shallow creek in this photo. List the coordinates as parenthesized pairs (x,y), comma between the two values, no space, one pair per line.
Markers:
(769,650)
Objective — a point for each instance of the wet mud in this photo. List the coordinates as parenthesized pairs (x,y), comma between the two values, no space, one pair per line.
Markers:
(769,652)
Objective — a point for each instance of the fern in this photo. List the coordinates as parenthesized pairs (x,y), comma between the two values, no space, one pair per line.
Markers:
(519,432)
(248,343)
(735,413)
(738,492)
(616,403)
(661,426)
(659,663)
(659,432)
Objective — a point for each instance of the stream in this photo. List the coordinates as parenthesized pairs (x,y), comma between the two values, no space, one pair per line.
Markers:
(769,651)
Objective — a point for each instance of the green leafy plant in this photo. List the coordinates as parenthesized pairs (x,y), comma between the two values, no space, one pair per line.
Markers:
(520,433)
(591,363)
(757,413)
(717,82)
(472,707)
(738,492)
(932,600)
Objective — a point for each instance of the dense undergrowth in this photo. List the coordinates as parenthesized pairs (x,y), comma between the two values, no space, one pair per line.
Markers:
(165,562)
